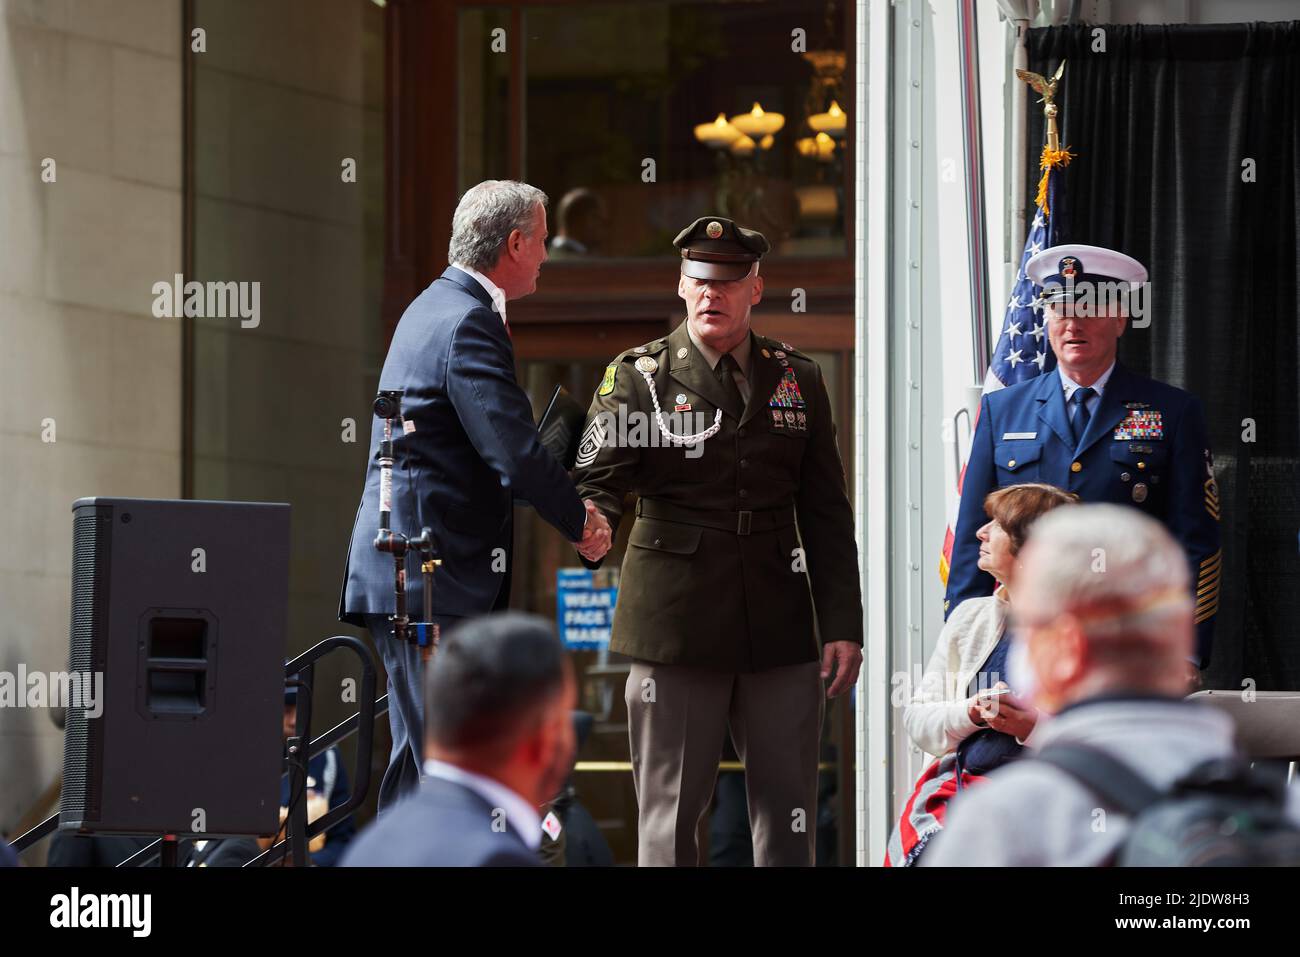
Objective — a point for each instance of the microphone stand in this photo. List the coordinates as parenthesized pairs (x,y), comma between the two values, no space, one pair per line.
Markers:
(426,632)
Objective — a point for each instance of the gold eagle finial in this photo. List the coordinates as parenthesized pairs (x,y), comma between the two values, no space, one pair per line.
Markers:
(1041,84)
(1047,89)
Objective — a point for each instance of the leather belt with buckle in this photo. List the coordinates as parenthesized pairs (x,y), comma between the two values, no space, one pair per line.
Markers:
(743,522)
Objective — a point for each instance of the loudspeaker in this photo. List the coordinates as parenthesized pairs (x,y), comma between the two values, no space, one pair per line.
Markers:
(178,611)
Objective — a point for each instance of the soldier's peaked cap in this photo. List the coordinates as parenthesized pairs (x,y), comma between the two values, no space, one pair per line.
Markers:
(716,248)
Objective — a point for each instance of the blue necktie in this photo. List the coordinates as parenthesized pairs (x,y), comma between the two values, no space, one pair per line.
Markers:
(1079,423)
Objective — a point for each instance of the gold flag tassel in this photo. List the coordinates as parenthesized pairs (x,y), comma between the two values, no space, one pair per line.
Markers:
(1050,160)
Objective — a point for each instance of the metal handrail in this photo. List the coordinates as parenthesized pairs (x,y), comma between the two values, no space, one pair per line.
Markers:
(372,708)
(42,830)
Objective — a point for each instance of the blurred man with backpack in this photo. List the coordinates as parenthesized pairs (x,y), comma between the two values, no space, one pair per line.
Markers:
(1126,771)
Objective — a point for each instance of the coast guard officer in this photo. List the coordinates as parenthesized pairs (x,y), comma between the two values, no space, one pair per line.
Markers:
(1095,428)
(743,530)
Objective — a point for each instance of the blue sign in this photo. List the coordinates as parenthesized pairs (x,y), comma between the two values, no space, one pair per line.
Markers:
(584,610)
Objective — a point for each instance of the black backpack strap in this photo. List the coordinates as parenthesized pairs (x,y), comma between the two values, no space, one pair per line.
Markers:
(1110,779)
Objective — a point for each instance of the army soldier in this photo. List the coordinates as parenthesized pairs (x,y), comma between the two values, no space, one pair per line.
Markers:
(743,532)
(1093,427)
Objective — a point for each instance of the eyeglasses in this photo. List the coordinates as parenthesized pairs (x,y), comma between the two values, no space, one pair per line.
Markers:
(1152,607)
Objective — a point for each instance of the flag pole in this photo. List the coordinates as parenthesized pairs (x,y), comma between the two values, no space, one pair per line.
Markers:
(1019,135)
(977,235)
(1023,343)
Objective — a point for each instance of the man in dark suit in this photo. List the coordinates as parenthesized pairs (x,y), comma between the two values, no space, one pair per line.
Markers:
(467,450)
(499,743)
(1095,428)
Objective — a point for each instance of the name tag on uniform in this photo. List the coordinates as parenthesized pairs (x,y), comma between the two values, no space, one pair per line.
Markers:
(1019,435)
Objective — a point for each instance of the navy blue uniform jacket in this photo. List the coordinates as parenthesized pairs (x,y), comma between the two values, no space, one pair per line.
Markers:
(1023,435)
(474,449)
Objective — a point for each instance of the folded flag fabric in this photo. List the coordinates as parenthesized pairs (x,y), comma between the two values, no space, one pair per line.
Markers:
(926,809)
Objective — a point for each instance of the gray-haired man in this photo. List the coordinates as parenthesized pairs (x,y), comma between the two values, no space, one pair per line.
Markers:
(1104,622)
(468,450)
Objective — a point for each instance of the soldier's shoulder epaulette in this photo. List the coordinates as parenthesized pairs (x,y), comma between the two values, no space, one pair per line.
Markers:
(645,349)
(779,345)
(610,378)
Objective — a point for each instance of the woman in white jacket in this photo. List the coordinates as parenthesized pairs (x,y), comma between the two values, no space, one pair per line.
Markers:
(963,710)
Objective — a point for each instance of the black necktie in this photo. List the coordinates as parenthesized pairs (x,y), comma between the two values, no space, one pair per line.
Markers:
(1081,414)
(725,370)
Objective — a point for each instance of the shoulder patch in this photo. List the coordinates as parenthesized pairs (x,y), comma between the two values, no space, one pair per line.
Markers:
(607,383)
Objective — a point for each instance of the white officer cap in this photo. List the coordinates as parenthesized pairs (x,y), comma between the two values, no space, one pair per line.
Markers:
(1059,269)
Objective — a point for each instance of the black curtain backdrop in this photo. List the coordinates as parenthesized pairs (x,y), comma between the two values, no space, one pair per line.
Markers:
(1161,123)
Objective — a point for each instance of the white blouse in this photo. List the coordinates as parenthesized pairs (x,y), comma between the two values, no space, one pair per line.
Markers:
(937,718)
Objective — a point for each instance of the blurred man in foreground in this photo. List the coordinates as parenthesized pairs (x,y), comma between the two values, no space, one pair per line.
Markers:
(498,744)
(1105,623)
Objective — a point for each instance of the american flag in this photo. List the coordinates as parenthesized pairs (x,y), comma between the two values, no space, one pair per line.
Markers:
(1022,350)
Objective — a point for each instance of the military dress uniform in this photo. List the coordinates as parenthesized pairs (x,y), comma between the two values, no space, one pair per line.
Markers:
(742,552)
(1143,443)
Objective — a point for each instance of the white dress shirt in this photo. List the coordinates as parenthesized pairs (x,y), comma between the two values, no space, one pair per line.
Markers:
(1094,400)
(493,290)
(521,816)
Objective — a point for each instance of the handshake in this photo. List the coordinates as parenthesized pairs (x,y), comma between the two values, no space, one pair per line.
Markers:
(597,536)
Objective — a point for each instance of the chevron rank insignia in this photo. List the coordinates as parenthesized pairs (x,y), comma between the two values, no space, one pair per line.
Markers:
(1211,488)
(1207,587)
(592,440)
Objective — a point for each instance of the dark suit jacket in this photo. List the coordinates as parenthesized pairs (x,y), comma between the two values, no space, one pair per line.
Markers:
(442,824)
(1023,435)
(474,449)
